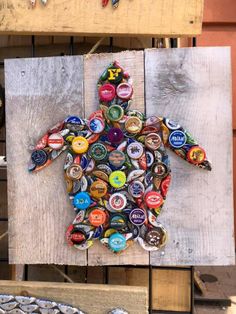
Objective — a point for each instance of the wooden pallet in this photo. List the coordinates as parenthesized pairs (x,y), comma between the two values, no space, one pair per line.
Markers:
(161,18)
(171,288)
(188,85)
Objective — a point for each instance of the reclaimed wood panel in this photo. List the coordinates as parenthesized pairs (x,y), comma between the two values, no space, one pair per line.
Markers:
(103,297)
(39,93)
(193,87)
(94,65)
(87,17)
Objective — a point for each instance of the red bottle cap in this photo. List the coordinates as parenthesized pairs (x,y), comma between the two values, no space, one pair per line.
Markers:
(165,185)
(153,199)
(107,92)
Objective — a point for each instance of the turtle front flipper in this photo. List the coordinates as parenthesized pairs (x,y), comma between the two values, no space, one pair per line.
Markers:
(181,142)
(54,142)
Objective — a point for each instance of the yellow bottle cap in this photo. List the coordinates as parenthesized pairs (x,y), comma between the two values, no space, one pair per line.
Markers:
(117,179)
(80,145)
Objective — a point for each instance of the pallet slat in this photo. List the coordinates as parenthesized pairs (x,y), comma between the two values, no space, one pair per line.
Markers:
(92,299)
(87,17)
(193,87)
(49,90)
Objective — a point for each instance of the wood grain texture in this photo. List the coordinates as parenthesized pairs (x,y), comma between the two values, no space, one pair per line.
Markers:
(193,87)
(103,297)
(94,65)
(87,17)
(40,92)
(171,290)
(130,276)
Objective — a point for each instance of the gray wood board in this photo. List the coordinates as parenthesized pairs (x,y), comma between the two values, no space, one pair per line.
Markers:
(193,87)
(39,92)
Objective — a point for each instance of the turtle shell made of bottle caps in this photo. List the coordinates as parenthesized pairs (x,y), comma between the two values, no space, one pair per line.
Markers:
(117,169)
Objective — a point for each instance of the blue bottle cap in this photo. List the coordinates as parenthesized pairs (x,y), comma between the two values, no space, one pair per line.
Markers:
(84,162)
(82,200)
(117,242)
(96,125)
(137,217)
(39,157)
(177,139)
(73,120)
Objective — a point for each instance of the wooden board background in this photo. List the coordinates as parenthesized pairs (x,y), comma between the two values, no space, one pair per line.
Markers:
(178,82)
(103,297)
(87,17)
(40,93)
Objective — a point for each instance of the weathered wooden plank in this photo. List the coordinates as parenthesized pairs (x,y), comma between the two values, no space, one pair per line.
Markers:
(92,299)
(40,92)
(94,65)
(87,17)
(193,87)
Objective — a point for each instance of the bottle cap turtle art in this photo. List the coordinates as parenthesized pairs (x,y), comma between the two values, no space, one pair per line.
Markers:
(117,170)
